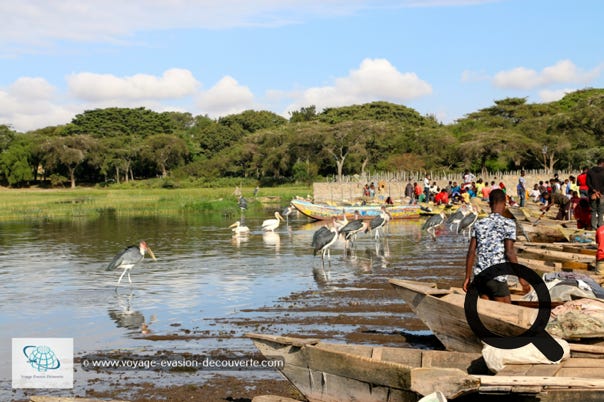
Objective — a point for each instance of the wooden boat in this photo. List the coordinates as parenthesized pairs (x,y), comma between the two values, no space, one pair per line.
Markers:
(329,372)
(442,310)
(563,259)
(540,233)
(325,211)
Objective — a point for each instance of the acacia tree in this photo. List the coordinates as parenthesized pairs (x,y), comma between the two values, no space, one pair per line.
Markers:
(341,139)
(165,151)
(15,162)
(68,152)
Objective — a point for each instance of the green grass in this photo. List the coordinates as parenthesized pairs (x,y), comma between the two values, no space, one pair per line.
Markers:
(90,203)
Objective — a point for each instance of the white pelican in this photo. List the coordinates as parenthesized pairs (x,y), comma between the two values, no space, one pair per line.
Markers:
(272,224)
(238,229)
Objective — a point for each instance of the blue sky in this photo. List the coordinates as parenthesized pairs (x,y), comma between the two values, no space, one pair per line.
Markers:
(442,57)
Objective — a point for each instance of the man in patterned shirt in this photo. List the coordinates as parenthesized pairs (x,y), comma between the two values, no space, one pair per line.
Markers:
(492,243)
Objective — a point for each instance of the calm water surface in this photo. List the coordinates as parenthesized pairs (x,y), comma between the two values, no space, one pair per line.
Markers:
(53,281)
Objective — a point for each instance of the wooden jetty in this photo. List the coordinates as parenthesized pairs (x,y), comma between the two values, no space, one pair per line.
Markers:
(329,372)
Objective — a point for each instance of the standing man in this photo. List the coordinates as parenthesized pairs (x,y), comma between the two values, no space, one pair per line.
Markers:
(582,182)
(595,185)
(427,187)
(492,243)
(600,252)
(521,188)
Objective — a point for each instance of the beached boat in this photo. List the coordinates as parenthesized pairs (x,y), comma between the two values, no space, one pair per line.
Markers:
(329,372)
(326,211)
(442,310)
(558,257)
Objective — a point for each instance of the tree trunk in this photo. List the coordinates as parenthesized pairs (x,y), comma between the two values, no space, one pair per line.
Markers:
(340,165)
(72,177)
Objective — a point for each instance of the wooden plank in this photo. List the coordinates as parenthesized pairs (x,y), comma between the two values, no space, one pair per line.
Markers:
(273,398)
(581,372)
(559,381)
(514,370)
(425,381)
(584,363)
(543,370)
(41,398)
(595,349)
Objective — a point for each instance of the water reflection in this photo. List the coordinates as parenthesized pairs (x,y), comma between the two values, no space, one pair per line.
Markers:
(271,239)
(202,272)
(124,315)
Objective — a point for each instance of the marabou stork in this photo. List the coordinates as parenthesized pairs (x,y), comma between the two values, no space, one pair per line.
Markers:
(432,223)
(239,229)
(128,258)
(467,222)
(242,203)
(352,228)
(456,217)
(287,211)
(323,239)
(379,222)
(272,224)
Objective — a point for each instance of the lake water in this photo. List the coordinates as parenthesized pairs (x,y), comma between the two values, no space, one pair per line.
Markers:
(53,281)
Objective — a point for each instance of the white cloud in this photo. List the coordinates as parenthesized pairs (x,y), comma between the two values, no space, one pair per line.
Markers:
(563,72)
(375,79)
(547,95)
(28,104)
(32,25)
(174,83)
(226,97)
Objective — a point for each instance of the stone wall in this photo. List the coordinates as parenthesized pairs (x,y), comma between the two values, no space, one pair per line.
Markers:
(353,190)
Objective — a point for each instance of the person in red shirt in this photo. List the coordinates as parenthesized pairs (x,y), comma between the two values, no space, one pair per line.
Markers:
(600,252)
(442,197)
(582,214)
(582,182)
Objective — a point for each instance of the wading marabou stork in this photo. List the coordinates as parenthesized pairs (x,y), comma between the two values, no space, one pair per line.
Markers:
(432,223)
(128,258)
(239,229)
(272,224)
(352,228)
(467,222)
(379,222)
(323,239)
(287,211)
(242,203)
(456,217)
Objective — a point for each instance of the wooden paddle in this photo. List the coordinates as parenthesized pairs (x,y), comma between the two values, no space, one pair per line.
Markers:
(539,218)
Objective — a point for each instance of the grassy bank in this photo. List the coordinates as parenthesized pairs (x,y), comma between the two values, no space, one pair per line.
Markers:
(90,203)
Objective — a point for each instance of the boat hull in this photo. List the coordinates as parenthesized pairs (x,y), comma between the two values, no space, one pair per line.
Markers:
(330,372)
(324,211)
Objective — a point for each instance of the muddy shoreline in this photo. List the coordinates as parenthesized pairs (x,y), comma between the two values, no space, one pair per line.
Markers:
(365,310)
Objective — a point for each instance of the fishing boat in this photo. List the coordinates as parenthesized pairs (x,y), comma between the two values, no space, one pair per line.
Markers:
(442,310)
(327,211)
(329,372)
